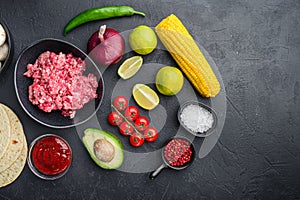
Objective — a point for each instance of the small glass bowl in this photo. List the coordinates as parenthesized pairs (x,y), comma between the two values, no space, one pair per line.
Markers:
(198,134)
(32,165)
(9,40)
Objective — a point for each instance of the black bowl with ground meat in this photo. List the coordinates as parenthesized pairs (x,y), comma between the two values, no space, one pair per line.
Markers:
(55,119)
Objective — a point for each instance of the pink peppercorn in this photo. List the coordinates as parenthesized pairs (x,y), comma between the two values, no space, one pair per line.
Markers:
(178,152)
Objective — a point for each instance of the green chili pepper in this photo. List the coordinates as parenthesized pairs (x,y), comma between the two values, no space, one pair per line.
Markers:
(98,14)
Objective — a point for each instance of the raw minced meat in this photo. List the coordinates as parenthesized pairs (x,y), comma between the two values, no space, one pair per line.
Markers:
(59,83)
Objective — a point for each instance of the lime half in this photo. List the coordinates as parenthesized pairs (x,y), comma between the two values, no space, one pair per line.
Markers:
(145,96)
(130,67)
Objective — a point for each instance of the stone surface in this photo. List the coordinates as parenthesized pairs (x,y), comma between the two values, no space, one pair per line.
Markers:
(256,46)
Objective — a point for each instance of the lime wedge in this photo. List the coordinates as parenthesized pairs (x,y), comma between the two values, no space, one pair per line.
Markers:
(130,67)
(145,96)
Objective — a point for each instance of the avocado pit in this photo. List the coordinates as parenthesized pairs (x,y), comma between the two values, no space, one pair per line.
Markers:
(104,150)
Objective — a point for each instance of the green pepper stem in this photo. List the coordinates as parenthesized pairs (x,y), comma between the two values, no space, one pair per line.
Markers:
(139,13)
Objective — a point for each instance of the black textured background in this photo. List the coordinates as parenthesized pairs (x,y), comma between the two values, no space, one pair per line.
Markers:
(255,44)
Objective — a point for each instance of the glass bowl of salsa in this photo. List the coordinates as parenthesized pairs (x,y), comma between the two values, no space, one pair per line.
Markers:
(49,157)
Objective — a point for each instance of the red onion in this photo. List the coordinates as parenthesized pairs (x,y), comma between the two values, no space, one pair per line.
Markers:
(106,46)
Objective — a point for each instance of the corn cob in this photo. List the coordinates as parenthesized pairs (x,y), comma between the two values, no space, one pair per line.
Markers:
(188,56)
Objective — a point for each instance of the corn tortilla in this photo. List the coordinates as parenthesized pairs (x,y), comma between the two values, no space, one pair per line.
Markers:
(15,142)
(12,173)
(4,132)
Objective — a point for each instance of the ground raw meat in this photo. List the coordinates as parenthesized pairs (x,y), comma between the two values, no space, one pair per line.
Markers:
(59,83)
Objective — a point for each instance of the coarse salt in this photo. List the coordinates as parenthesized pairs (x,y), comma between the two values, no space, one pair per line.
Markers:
(197,118)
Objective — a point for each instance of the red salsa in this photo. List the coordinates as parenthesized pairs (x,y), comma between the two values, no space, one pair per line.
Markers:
(51,155)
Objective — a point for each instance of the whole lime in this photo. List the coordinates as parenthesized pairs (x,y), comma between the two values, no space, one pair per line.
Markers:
(142,40)
(169,80)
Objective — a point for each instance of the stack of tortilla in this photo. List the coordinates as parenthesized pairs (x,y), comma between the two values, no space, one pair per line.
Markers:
(13,146)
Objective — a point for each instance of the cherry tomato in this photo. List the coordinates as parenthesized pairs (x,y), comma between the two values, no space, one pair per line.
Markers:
(125,129)
(150,134)
(120,103)
(131,113)
(114,119)
(136,139)
(141,123)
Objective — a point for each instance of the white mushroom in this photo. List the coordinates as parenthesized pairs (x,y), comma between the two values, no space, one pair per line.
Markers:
(2,35)
(3,51)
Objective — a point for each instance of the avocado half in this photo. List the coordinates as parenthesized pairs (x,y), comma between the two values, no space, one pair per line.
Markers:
(91,135)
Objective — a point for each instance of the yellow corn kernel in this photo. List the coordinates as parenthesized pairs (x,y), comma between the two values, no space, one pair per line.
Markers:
(188,56)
